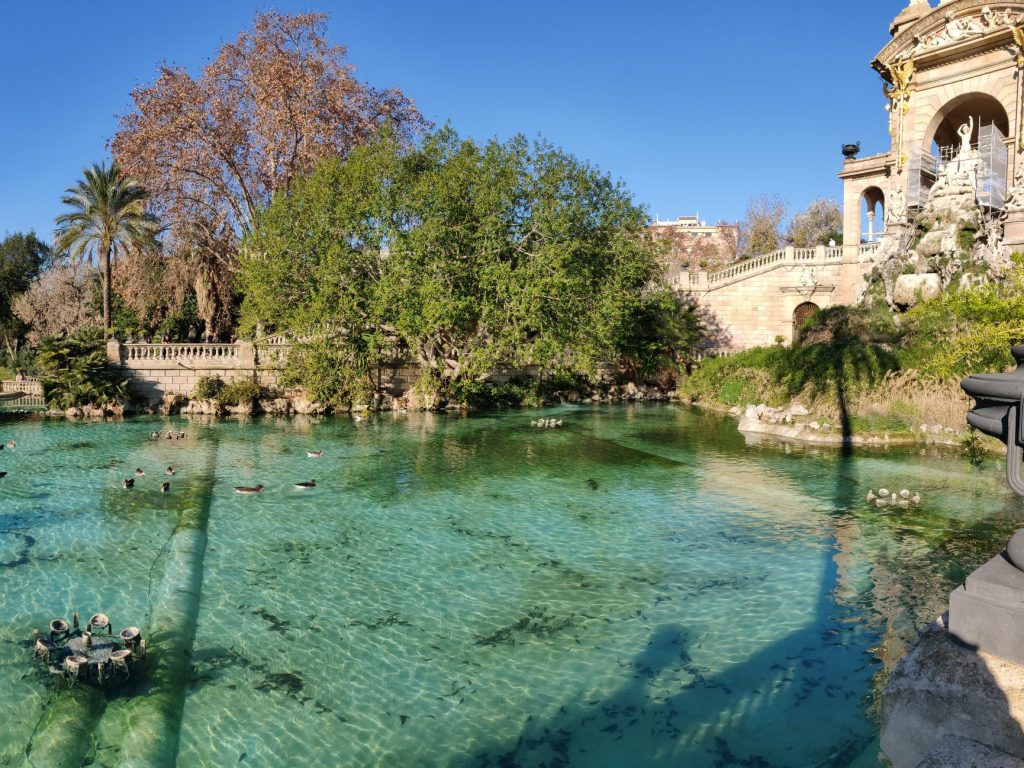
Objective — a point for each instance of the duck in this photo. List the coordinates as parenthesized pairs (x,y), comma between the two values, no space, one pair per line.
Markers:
(314,454)
(129,482)
(139,472)
(248,489)
(304,486)
(169,471)
(165,487)
(3,475)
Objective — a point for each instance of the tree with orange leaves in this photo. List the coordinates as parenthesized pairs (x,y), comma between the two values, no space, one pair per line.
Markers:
(213,150)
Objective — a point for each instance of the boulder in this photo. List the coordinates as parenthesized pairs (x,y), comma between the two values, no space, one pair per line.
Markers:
(942,688)
(910,289)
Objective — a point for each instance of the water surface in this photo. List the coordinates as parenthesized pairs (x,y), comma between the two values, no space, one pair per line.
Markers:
(638,587)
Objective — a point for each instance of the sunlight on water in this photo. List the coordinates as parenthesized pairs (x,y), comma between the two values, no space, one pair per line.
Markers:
(638,587)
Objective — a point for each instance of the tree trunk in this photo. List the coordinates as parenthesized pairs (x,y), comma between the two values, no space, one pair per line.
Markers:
(105,247)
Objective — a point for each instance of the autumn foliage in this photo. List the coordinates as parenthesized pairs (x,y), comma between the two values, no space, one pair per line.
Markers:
(214,149)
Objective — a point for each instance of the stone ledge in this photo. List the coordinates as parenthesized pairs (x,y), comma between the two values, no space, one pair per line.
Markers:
(957,752)
(943,688)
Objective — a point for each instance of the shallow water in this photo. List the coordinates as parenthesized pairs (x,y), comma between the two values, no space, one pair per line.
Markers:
(638,587)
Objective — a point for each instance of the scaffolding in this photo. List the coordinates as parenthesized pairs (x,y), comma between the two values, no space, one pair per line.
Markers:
(992,166)
(922,170)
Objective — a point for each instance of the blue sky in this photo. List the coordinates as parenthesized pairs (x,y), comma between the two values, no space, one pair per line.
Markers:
(695,106)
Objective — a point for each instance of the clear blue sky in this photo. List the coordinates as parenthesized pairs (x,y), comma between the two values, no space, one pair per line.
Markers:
(695,106)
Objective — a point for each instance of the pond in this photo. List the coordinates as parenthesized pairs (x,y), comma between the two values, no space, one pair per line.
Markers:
(638,587)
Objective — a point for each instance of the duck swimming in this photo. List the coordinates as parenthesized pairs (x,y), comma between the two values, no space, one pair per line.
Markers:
(314,454)
(139,472)
(169,471)
(310,484)
(248,489)
(3,475)
(128,483)
(165,487)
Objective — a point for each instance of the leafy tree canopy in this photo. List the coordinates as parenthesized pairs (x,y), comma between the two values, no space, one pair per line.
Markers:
(22,258)
(759,230)
(463,255)
(214,148)
(819,223)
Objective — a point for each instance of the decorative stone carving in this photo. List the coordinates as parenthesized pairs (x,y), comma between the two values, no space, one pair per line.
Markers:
(1015,197)
(896,208)
(957,30)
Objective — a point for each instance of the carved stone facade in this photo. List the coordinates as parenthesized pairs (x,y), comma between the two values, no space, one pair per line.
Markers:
(957,64)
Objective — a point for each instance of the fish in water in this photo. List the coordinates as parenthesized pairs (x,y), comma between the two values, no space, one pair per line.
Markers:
(314,454)
(169,471)
(303,486)
(165,487)
(129,482)
(248,489)
(139,472)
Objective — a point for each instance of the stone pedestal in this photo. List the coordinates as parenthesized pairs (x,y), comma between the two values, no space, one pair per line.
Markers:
(987,612)
(1013,230)
(944,692)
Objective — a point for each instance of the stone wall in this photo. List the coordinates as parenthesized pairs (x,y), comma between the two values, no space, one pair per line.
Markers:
(157,370)
(751,303)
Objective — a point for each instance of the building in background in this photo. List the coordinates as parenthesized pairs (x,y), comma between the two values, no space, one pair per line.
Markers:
(695,244)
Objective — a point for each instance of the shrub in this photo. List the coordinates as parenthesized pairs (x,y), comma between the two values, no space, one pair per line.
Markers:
(74,371)
(208,388)
(241,392)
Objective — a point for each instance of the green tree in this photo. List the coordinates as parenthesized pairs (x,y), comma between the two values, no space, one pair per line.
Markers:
(22,258)
(108,215)
(464,255)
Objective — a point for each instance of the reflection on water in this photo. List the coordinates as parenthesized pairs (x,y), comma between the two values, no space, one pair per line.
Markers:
(638,587)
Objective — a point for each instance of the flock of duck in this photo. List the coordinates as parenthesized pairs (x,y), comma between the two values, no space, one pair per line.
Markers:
(885,498)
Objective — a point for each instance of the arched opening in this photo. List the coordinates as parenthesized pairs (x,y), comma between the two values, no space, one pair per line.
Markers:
(975,123)
(800,315)
(980,108)
(872,215)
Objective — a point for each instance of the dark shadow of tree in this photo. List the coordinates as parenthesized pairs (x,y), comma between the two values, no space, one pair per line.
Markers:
(758,713)
(835,367)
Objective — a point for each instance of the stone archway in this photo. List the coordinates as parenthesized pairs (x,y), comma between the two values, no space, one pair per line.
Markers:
(872,225)
(985,109)
(800,315)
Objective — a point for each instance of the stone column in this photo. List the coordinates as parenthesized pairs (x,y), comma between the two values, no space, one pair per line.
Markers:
(114,350)
(871,226)
(246,356)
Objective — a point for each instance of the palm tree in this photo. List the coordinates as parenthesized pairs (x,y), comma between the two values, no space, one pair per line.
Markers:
(108,214)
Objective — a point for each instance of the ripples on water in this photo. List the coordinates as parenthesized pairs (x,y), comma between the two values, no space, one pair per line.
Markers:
(636,588)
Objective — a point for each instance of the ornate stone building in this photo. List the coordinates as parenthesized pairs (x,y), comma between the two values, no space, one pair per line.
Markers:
(952,79)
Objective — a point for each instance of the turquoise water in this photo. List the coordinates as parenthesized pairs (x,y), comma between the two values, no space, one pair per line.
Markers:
(639,587)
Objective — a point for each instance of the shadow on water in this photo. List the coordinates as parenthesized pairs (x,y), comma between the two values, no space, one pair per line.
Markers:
(66,732)
(756,713)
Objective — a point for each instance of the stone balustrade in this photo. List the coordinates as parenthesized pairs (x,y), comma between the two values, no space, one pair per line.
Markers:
(744,270)
(29,386)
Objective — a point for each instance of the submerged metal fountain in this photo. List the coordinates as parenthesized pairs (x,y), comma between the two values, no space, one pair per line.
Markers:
(987,611)
(93,655)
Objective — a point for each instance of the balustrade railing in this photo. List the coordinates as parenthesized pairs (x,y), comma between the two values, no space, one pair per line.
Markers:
(30,386)
(143,352)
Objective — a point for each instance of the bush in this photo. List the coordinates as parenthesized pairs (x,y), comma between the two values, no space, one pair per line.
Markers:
(208,388)
(241,392)
(74,371)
